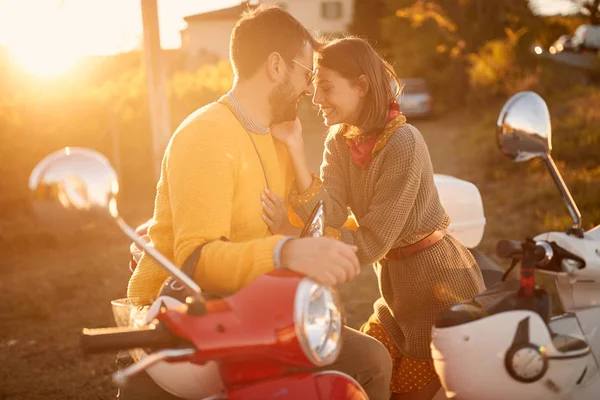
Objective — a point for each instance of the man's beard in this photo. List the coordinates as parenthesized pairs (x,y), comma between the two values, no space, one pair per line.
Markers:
(283,102)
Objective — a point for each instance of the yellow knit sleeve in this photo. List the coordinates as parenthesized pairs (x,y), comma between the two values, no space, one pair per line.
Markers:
(333,233)
(336,233)
(201,170)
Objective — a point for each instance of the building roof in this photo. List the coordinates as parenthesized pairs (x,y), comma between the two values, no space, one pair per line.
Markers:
(234,13)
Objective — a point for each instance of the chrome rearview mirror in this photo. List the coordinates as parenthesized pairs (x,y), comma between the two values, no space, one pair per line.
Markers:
(81,184)
(523,128)
(524,132)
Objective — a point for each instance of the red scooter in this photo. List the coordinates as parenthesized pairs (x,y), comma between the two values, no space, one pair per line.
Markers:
(263,342)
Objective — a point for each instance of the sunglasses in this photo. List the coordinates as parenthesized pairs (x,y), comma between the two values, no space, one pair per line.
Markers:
(310,74)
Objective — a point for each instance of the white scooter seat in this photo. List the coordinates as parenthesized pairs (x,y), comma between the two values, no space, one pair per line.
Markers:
(504,297)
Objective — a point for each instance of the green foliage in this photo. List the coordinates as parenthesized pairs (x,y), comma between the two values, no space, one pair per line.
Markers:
(468,50)
(495,70)
(190,90)
(423,43)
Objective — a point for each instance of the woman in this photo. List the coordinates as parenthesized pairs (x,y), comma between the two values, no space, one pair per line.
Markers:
(378,166)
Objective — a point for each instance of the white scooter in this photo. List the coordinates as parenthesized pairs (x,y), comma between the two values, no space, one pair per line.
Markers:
(503,344)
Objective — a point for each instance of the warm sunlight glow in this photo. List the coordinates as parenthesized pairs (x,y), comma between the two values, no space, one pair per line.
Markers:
(42,43)
(44,61)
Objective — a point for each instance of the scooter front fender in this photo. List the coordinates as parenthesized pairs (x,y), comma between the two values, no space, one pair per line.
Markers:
(304,386)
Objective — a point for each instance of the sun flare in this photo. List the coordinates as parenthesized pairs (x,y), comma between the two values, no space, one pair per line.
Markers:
(39,36)
(44,61)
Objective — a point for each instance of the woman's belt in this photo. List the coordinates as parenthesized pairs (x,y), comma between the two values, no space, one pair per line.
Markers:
(402,253)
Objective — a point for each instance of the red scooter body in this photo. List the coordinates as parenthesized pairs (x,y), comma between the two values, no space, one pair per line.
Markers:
(251,333)
(319,385)
(255,339)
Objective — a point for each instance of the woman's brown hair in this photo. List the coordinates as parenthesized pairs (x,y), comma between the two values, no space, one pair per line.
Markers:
(352,57)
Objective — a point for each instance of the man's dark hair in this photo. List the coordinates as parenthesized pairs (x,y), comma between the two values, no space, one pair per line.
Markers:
(262,31)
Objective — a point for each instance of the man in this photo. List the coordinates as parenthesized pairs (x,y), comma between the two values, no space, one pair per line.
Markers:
(215,169)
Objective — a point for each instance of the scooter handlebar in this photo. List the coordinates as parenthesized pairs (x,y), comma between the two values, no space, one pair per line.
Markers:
(509,249)
(102,340)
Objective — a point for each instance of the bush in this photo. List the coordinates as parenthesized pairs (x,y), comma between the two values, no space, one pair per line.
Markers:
(500,68)
(191,90)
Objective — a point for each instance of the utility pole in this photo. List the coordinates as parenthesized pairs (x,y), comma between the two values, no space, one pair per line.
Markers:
(156,83)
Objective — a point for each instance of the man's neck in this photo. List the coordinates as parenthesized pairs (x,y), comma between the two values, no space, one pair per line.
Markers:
(253,102)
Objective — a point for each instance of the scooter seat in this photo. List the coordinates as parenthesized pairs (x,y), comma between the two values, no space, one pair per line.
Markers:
(505,297)
(459,314)
(468,311)
(501,297)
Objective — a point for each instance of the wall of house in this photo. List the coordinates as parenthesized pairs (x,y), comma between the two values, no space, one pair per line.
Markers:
(311,13)
(211,36)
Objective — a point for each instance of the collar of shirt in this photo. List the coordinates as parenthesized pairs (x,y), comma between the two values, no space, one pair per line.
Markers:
(248,123)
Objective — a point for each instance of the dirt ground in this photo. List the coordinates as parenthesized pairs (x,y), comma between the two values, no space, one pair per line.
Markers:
(51,290)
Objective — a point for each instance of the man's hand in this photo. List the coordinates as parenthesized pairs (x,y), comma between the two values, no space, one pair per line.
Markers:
(143,228)
(327,261)
(135,251)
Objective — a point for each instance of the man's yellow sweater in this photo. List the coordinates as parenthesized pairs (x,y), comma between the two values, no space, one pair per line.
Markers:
(210,186)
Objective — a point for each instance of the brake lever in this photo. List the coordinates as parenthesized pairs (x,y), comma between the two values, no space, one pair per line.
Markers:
(120,377)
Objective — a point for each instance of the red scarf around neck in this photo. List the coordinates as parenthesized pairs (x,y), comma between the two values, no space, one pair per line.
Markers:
(362,147)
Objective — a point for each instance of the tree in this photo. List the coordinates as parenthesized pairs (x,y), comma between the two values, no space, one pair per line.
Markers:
(471,22)
(591,8)
(434,39)
(366,21)
(425,43)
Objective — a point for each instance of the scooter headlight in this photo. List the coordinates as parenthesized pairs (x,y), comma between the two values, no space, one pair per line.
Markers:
(318,321)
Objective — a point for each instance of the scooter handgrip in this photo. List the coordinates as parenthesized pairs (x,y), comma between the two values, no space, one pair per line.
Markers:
(509,248)
(102,340)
